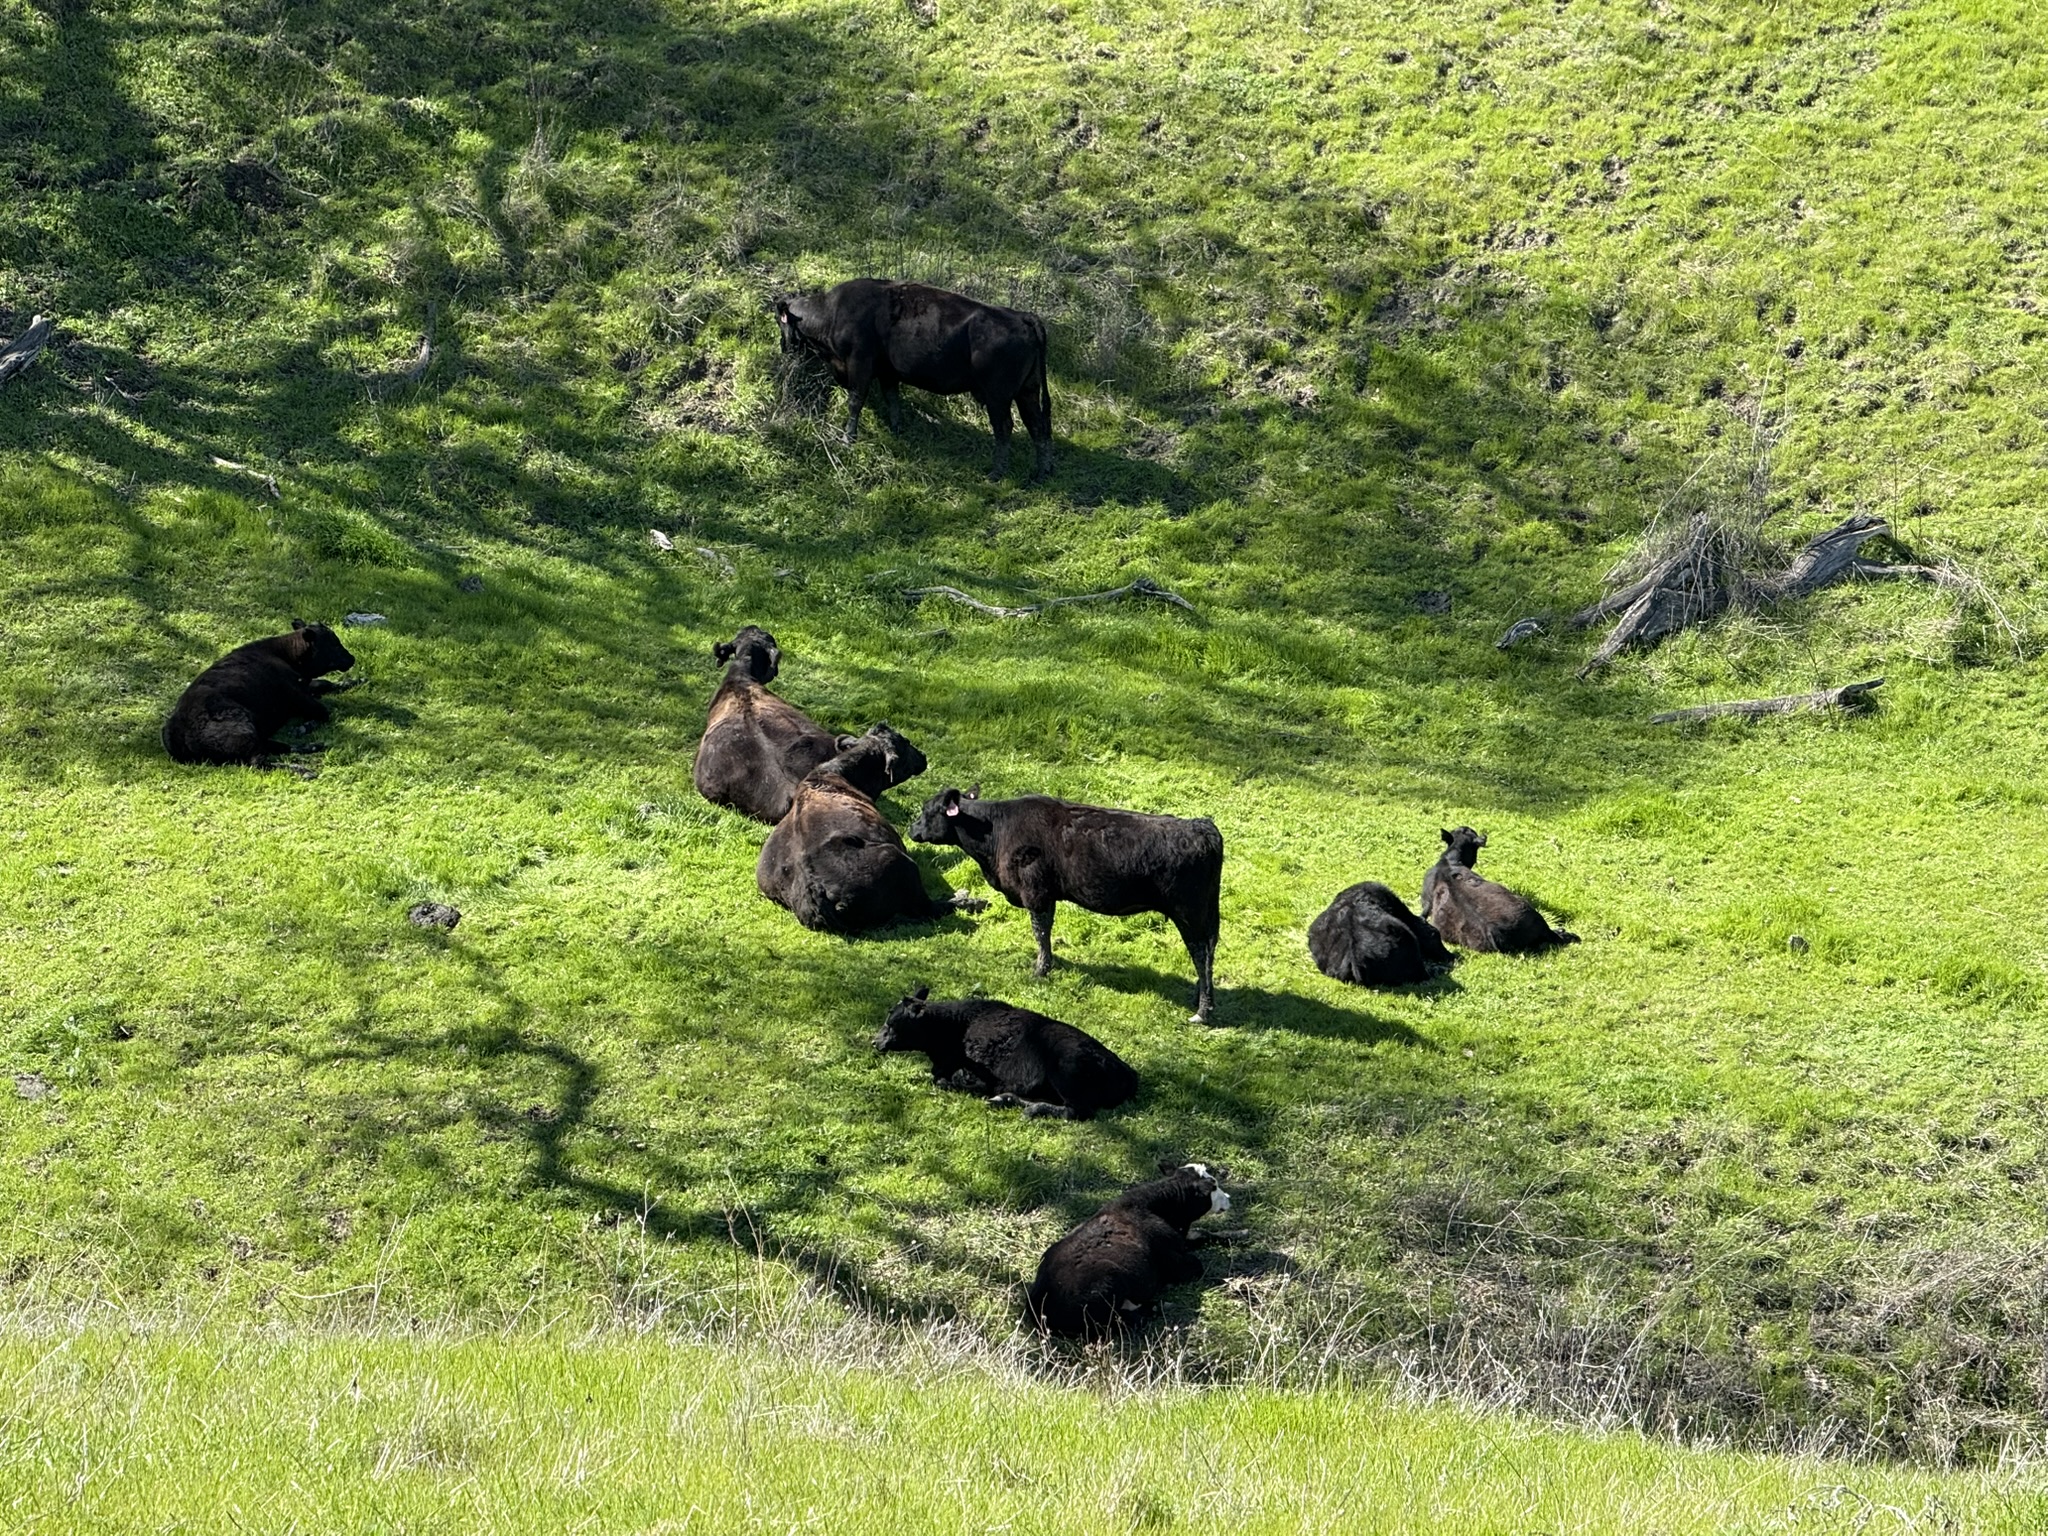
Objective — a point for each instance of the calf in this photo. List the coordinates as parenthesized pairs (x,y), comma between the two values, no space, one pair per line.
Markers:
(1368,937)
(1039,851)
(1011,1056)
(1105,1274)
(756,747)
(834,860)
(231,712)
(1473,912)
(870,331)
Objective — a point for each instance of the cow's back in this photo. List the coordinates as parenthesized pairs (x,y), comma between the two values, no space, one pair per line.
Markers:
(756,750)
(836,863)
(1122,862)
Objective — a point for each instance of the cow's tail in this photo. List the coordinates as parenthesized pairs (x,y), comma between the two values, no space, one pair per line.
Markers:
(1044,370)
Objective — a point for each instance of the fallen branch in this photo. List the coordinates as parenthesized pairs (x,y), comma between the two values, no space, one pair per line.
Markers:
(20,352)
(269,481)
(1139,588)
(1848,696)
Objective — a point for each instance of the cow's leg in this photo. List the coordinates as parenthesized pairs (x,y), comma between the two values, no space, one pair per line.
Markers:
(857,382)
(1038,425)
(1000,423)
(1201,943)
(1041,928)
(892,401)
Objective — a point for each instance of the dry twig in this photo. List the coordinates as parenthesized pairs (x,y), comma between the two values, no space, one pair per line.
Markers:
(1142,587)
(20,352)
(1848,696)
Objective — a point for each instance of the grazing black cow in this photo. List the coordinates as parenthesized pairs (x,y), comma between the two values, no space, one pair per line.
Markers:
(875,332)
(1473,912)
(1039,851)
(231,712)
(835,861)
(1105,1274)
(1011,1056)
(756,747)
(1368,937)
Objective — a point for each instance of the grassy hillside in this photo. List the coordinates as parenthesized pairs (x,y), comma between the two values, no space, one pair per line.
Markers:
(1356,310)
(145,1432)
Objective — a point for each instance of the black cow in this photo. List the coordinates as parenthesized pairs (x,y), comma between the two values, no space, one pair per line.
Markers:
(1105,1274)
(1473,912)
(231,712)
(871,331)
(1368,937)
(757,747)
(1011,1056)
(835,861)
(1039,851)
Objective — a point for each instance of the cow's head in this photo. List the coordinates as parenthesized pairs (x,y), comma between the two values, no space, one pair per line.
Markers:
(319,650)
(905,761)
(796,318)
(1193,1190)
(938,819)
(1462,845)
(904,1027)
(754,650)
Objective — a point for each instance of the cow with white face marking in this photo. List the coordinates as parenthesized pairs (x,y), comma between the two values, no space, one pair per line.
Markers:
(1106,1274)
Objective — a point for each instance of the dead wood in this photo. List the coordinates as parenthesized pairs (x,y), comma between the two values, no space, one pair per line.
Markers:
(1704,574)
(1848,696)
(20,352)
(1139,588)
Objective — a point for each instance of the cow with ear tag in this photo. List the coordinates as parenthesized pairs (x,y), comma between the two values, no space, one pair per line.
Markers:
(1106,1274)
(231,712)
(1039,851)
(1475,913)
(835,862)
(758,747)
(1010,1056)
(870,331)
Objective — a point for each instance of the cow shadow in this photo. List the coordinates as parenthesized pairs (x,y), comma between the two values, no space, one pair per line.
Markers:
(1260,1008)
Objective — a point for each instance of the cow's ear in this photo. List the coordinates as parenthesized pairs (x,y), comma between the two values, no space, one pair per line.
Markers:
(1445,835)
(1482,839)
(722,652)
(298,623)
(922,993)
(951,800)
(845,743)
(1168,1165)
(974,791)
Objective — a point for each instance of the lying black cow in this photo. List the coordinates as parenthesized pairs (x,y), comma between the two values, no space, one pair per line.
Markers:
(1105,1274)
(758,748)
(835,861)
(1472,912)
(1011,1056)
(1368,937)
(1039,851)
(874,332)
(231,712)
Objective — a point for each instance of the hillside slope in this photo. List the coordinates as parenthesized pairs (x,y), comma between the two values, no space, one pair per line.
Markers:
(1375,329)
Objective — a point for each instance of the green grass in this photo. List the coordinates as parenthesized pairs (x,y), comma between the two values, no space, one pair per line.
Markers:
(1350,304)
(120,1431)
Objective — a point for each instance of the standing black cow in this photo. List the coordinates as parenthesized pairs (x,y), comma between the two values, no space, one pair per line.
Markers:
(835,861)
(1039,851)
(1011,1056)
(1475,913)
(231,712)
(757,747)
(871,331)
(1106,1273)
